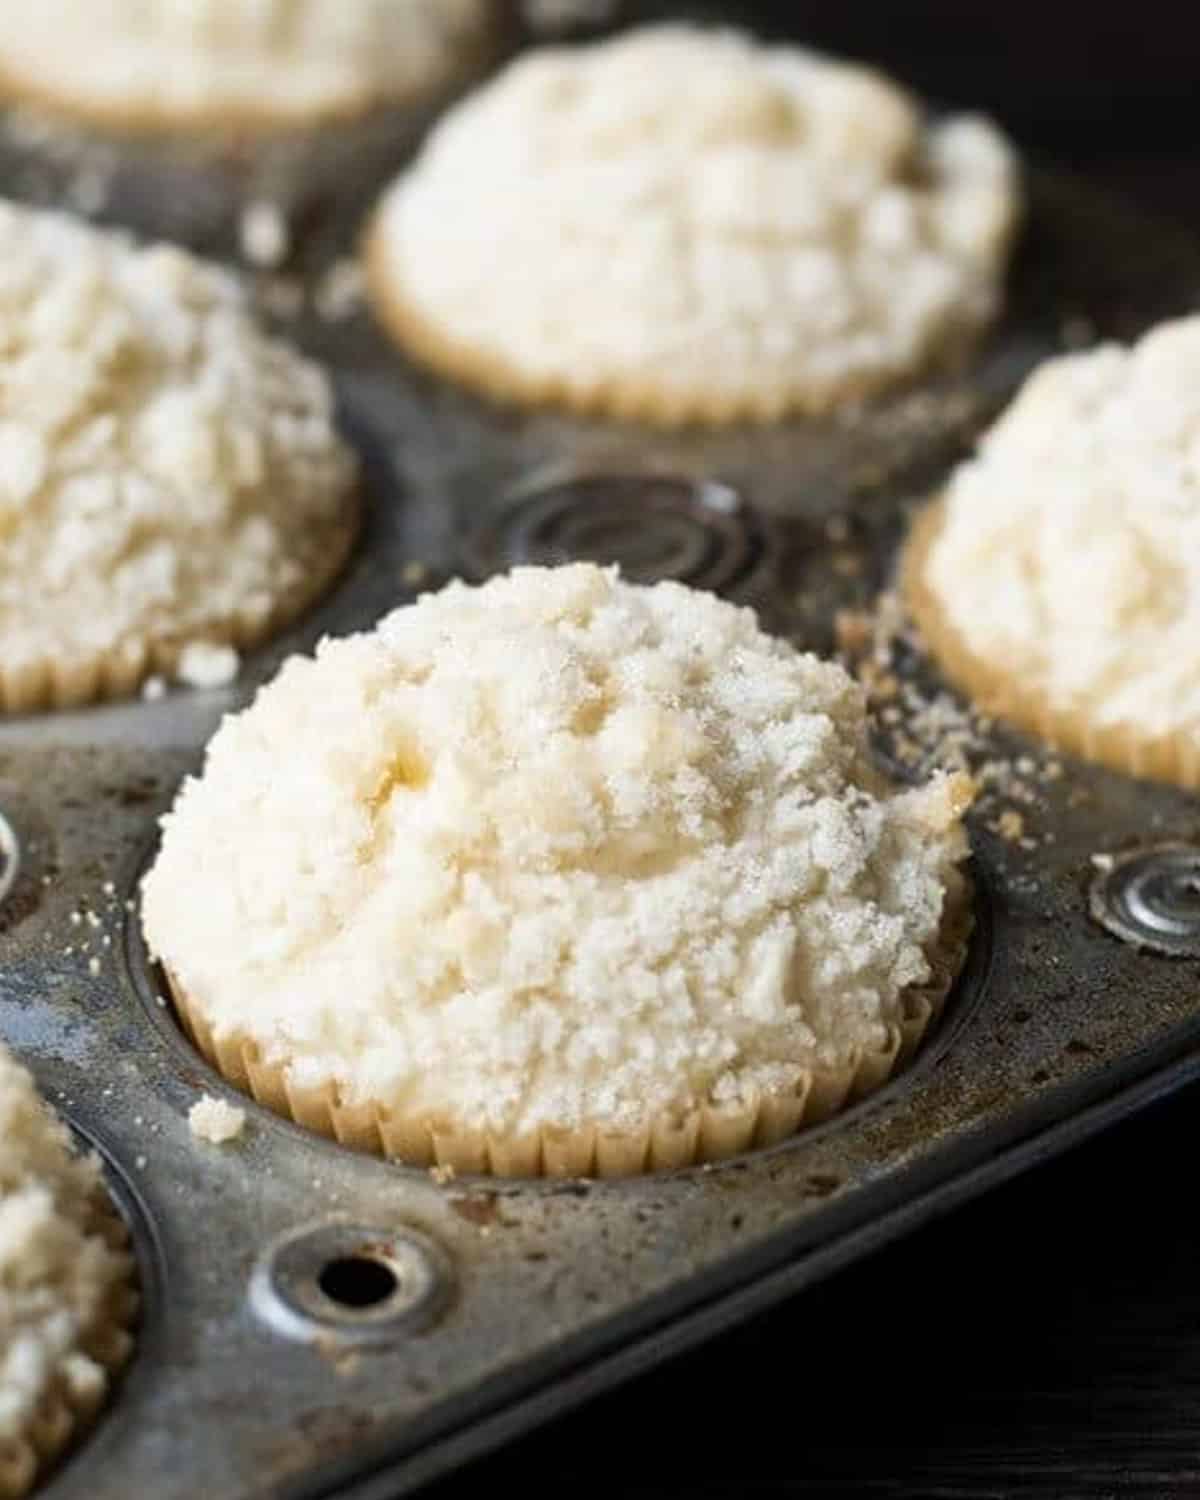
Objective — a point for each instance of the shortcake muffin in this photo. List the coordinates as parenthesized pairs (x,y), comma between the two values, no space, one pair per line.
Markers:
(1057,579)
(557,875)
(170,478)
(262,64)
(683,225)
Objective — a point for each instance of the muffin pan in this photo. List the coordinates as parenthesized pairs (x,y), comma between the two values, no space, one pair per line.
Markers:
(319,1323)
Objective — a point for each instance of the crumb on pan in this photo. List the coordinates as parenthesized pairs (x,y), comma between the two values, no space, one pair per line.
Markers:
(339,293)
(168,472)
(264,235)
(927,728)
(204,665)
(216,1121)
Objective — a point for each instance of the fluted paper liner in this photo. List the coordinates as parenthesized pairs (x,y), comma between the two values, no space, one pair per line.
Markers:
(68,1408)
(31,684)
(627,397)
(997,690)
(708,1133)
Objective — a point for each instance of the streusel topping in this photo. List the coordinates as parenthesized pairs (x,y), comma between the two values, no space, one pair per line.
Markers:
(556,850)
(168,474)
(691,219)
(1070,544)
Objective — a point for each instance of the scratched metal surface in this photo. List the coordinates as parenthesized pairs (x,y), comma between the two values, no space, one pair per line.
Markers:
(1053,1014)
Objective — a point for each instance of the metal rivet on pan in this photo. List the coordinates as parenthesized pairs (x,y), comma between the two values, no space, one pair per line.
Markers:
(692,531)
(10,857)
(1151,898)
(351,1283)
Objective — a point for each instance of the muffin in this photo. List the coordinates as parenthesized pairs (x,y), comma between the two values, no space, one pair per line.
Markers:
(258,64)
(67,1297)
(682,225)
(195,120)
(1057,580)
(170,478)
(557,875)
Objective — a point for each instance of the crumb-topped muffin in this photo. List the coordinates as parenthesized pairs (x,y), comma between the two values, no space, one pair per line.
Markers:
(685,225)
(1058,577)
(67,1296)
(169,476)
(264,63)
(559,874)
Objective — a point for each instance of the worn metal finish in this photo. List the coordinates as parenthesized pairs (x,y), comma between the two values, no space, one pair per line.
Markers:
(699,532)
(542,1290)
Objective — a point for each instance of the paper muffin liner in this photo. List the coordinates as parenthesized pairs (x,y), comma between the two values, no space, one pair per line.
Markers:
(626,398)
(707,1134)
(30,684)
(189,180)
(996,690)
(76,1396)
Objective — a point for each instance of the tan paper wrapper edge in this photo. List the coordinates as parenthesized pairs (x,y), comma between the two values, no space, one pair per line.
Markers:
(50,682)
(997,692)
(710,1133)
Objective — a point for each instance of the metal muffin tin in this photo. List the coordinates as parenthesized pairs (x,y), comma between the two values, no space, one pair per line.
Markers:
(320,1323)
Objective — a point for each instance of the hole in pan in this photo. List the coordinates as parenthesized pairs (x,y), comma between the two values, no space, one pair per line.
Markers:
(655,526)
(351,1282)
(358,1280)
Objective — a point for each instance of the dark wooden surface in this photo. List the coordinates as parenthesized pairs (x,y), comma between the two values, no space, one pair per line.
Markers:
(1044,1340)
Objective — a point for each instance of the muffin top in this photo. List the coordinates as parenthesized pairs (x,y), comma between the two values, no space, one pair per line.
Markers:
(683,223)
(58,1274)
(179,62)
(1071,543)
(167,473)
(555,851)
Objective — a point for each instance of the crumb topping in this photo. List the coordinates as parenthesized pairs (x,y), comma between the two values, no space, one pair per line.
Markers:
(57,1274)
(203,665)
(779,226)
(923,727)
(551,851)
(216,1121)
(167,472)
(1071,543)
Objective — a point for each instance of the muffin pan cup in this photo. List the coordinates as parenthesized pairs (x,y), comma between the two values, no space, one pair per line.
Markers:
(319,1322)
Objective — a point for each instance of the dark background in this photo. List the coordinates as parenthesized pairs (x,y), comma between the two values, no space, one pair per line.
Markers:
(1045,1340)
(1100,86)
(1073,75)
